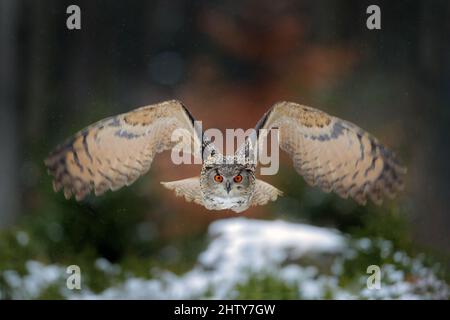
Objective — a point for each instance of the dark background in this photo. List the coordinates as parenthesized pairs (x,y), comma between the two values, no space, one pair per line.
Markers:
(228,61)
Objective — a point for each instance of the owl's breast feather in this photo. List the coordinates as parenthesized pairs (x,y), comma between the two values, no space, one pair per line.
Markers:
(221,203)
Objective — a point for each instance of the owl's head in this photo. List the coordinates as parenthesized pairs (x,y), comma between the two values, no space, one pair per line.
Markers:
(228,181)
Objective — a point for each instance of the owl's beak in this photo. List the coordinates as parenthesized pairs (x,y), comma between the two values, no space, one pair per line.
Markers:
(228,186)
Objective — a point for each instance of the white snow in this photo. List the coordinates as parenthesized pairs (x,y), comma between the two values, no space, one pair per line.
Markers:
(240,248)
(39,277)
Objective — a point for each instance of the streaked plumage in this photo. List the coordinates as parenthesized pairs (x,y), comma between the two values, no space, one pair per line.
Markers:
(335,154)
(328,152)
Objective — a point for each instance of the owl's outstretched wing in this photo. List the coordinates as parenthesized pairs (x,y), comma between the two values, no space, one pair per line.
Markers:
(188,188)
(334,154)
(115,151)
(264,193)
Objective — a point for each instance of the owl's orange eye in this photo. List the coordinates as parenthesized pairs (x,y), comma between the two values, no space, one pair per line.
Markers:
(238,178)
(218,178)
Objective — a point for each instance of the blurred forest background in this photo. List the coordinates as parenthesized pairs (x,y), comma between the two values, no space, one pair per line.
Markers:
(228,61)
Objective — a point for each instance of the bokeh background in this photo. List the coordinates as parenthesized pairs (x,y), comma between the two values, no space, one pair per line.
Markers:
(228,61)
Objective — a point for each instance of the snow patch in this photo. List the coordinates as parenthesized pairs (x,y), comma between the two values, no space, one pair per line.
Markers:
(240,248)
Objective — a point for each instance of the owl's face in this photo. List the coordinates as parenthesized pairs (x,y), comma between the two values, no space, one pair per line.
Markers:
(228,184)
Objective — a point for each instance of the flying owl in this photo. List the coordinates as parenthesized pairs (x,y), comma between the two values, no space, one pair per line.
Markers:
(328,152)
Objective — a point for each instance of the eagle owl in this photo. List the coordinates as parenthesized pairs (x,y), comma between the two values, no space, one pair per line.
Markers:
(328,152)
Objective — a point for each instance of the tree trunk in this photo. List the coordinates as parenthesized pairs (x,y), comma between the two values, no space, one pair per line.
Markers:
(9,183)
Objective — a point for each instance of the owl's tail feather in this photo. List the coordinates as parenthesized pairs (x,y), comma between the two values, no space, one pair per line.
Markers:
(264,193)
(188,188)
